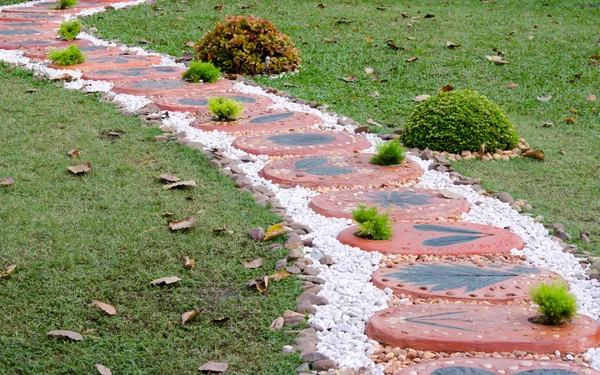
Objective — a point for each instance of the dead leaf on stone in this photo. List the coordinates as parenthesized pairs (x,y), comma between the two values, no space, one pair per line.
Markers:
(81,168)
(8,271)
(446,88)
(68,335)
(450,44)
(184,223)
(421,98)
(570,120)
(412,58)
(260,283)
(450,194)
(496,59)
(190,315)
(180,184)
(544,99)
(169,178)
(213,367)
(277,324)
(108,309)
(534,154)
(280,275)
(166,281)
(103,370)
(7,181)
(73,153)
(222,229)
(329,40)
(219,7)
(252,264)
(369,70)
(591,98)
(273,231)
(350,78)
(188,263)
(512,86)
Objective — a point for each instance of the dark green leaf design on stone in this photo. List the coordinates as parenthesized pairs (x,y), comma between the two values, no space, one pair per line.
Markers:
(194,102)
(402,200)
(315,166)
(328,171)
(14,32)
(301,139)
(271,118)
(439,228)
(243,99)
(450,240)
(461,370)
(549,371)
(426,320)
(310,163)
(158,84)
(455,276)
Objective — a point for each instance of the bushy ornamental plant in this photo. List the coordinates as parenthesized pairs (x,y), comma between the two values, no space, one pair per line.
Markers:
(456,121)
(226,109)
(69,29)
(555,302)
(240,45)
(65,4)
(202,71)
(371,224)
(69,56)
(389,153)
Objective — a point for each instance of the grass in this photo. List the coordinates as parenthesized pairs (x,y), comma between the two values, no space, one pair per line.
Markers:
(548,45)
(103,235)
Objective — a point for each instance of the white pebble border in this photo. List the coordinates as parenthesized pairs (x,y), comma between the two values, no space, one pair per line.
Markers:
(353,299)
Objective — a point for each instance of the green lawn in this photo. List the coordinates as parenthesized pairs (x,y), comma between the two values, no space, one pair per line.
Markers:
(103,235)
(548,44)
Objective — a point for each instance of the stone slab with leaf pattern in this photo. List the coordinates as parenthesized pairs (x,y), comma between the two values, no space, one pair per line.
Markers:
(259,123)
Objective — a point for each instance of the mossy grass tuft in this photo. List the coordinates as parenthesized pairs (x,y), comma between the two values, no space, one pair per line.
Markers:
(69,29)
(371,224)
(202,71)
(226,109)
(71,55)
(65,4)
(389,153)
(555,302)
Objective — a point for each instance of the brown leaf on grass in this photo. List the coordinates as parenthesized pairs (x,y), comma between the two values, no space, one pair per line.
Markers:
(570,120)
(562,152)
(8,271)
(7,181)
(410,38)
(575,111)
(222,229)
(544,99)
(277,324)
(350,78)
(547,124)
(169,178)
(369,70)
(446,88)
(412,58)
(321,6)
(103,370)
(108,309)
(329,40)
(450,44)
(252,264)
(370,121)
(450,194)
(68,335)
(184,223)
(497,59)
(405,15)
(374,94)
(166,280)
(591,98)
(287,84)
(190,43)
(220,319)
(512,86)
(188,263)
(73,153)
(260,283)
(219,7)
(180,184)
(530,37)
(190,315)
(421,98)
(213,367)
(428,15)
(280,275)
(534,154)
(390,43)
(368,39)
(81,168)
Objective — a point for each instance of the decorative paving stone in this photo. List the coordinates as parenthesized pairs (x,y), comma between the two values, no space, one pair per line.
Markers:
(496,283)
(47,43)
(263,124)
(42,10)
(457,238)
(486,328)
(112,62)
(4,25)
(402,204)
(338,171)
(171,87)
(199,102)
(19,34)
(494,366)
(89,51)
(135,74)
(302,142)
(24,17)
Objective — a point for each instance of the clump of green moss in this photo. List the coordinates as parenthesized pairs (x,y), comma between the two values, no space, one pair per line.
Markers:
(202,71)
(65,4)
(69,56)
(389,153)
(226,109)
(555,302)
(456,121)
(69,29)
(371,224)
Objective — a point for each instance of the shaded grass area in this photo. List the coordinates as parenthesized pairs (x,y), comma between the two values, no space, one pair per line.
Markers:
(104,236)
(548,44)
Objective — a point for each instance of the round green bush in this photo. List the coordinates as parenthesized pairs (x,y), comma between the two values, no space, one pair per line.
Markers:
(456,121)
(240,45)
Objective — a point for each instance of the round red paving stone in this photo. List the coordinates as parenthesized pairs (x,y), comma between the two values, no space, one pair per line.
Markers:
(494,366)
(43,10)
(135,74)
(199,102)
(112,62)
(458,238)
(338,171)
(495,283)
(89,51)
(38,44)
(402,204)
(171,87)
(301,142)
(27,17)
(268,122)
(482,328)
(21,34)
(38,25)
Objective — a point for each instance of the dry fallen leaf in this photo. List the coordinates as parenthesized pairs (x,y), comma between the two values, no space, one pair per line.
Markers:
(188,263)
(277,324)
(274,231)
(73,153)
(169,178)
(544,99)
(534,154)
(369,70)
(496,59)
(570,120)
(190,43)
(222,229)
(8,271)
(562,152)
(405,15)
(350,78)
(166,280)
(7,181)
(256,263)
(81,168)
(369,39)
(287,84)
(213,367)
(280,275)
(512,86)
(69,335)
(412,58)
(575,111)
(219,7)
(374,94)
(547,124)
(260,283)
(450,194)
(329,40)
(321,6)
(421,98)
(390,43)
(530,37)
(190,315)
(180,184)
(184,223)
(370,121)
(450,44)
(102,370)
(591,98)
(108,309)
(447,88)
(429,15)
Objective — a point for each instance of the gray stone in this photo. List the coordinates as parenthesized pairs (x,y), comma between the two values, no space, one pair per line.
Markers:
(327,260)
(362,129)
(304,228)
(528,207)
(312,298)
(293,322)
(308,242)
(280,265)
(306,307)
(257,234)
(323,365)
(505,197)
(311,271)
(303,368)
(295,254)
(558,226)
(584,237)
(317,327)
(293,270)
(314,356)
(312,279)
(442,168)
(441,160)
(562,234)
(426,154)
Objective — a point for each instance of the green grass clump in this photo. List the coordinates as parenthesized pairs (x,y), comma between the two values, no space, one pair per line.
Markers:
(226,109)
(69,56)
(456,121)
(371,224)
(202,71)
(555,302)
(389,153)
(69,29)
(65,4)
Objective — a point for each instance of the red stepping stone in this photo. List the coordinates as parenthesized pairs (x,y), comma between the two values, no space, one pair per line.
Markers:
(88,50)
(301,142)
(199,102)
(267,122)
(28,17)
(495,283)
(494,366)
(135,74)
(457,238)
(38,44)
(20,34)
(48,8)
(402,204)
(338,171)
(482,328)
(38,25)
(172,87)
(112,62)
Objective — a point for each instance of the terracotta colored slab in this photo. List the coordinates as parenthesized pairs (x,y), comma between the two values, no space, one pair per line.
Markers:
(29,25)
(495,283)
(112,62)
(338,171)
(486,328)
(88,50)
(402,204)
(195,103)
(267,122)
(24,17)
(171,87)
(301,142)
(135,74)
(457,238)
(19,34)
(34,9)
(494,366)
(47,43)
